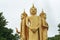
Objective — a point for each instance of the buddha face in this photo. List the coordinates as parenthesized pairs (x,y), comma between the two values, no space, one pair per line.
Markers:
(23,16)
(33,11)
(43,16)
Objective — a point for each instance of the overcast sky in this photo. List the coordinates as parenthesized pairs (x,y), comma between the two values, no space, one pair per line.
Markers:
(12,10)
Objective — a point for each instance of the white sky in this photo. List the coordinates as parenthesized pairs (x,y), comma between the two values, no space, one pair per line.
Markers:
(12,10)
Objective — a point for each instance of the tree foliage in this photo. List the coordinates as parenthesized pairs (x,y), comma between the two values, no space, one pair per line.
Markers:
(59,28)
(56,37)
(59,25)
(5,33)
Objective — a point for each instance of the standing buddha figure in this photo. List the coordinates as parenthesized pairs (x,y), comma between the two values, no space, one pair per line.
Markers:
(33,23)
(44,25)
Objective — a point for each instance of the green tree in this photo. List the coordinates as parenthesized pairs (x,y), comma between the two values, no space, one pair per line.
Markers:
(59,28)
(5,33)
(56,37)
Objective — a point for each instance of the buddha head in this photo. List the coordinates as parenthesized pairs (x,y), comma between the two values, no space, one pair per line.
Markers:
(43,15)
(33,10)
(23,15)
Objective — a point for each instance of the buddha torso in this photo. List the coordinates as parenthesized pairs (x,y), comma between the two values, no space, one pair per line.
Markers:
(34,21)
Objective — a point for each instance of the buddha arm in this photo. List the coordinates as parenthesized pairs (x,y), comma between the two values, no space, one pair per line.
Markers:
(39,23)
(45,24)
(27,24)
(17,31)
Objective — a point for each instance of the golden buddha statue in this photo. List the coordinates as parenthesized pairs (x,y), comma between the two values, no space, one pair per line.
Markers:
(33,23)
(23,31)
(33,27)
(44,25)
